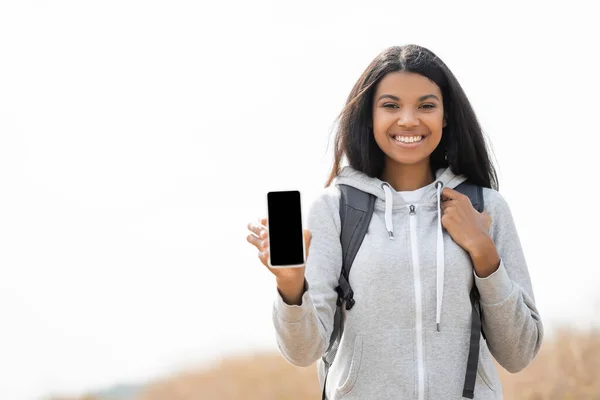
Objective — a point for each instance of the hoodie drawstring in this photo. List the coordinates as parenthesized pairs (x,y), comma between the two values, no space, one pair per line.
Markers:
(440,257)
(389,202)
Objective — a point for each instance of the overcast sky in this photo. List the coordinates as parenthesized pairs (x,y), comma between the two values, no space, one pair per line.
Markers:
(138,138)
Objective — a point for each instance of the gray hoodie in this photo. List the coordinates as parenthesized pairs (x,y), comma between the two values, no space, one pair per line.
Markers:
(408,277)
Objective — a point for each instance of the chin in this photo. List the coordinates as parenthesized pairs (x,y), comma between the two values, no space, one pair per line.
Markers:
(409,160)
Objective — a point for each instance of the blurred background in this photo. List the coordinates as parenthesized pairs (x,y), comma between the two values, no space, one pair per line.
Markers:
(138,139)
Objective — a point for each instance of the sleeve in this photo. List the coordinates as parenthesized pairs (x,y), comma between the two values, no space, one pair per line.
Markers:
(511,320)
(303,332)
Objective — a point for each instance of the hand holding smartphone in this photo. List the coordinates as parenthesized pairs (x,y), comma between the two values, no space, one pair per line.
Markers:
(285,231)
(283,244)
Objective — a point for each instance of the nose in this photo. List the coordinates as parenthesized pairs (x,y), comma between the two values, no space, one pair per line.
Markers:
(407,118)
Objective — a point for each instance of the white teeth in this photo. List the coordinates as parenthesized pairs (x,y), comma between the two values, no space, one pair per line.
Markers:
(410,139)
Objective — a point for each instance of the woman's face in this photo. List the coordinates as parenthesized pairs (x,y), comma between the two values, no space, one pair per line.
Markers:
(408,117)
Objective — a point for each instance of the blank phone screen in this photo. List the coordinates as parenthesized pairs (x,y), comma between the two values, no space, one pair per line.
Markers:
(285,228)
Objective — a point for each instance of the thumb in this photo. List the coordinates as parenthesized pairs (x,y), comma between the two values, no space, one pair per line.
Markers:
(307,240)
(488,219)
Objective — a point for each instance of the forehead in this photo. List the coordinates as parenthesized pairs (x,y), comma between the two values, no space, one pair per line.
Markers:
(406,85)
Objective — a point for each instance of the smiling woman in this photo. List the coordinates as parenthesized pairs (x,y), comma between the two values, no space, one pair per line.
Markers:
(415,280)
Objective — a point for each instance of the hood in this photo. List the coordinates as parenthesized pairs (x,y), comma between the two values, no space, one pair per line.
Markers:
(375,186)
(431,197)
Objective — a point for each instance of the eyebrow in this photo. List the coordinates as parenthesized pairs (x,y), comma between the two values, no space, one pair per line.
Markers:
(422,98)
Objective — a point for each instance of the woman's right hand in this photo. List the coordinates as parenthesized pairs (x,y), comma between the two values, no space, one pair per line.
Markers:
(290,281)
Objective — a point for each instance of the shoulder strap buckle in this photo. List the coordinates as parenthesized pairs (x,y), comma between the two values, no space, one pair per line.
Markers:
(345,293)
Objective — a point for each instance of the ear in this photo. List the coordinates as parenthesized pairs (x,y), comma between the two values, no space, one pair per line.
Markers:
(444,123)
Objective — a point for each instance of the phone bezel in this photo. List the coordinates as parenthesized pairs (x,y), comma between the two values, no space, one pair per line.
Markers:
(301,229)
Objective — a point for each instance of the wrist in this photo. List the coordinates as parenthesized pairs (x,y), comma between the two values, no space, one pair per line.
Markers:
(290,283)
(291,291)
(485,257)
(481,246)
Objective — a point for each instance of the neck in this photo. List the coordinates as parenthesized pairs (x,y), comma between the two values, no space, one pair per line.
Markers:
(408,177)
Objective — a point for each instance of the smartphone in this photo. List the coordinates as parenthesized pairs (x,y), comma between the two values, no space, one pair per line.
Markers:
(284,227)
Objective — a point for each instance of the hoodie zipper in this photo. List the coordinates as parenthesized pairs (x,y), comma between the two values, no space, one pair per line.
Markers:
(418,304)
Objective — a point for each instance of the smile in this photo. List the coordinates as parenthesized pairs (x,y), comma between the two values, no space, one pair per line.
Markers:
(408,142)
(409,139)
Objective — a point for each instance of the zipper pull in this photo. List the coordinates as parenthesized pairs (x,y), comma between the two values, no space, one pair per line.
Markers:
(412,210)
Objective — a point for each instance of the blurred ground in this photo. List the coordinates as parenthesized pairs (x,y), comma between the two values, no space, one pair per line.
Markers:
(568,367)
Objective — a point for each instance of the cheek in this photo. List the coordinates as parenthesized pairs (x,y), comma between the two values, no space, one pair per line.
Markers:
(380,118)
(435,119)
(381,125)
(435,139)
(435,124)
(380,138)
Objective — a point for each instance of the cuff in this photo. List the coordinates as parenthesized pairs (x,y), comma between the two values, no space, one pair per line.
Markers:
(495,288)
(292,313)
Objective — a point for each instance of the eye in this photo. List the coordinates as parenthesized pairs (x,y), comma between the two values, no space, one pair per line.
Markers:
(429,106)
(389,104)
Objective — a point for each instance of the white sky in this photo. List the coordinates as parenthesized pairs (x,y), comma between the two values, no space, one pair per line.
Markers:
(138,138)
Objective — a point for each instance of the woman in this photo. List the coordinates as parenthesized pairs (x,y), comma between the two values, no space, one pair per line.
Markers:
(410,137)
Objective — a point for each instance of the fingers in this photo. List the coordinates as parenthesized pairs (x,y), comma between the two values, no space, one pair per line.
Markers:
(260,244)
(259,239)
(448,203)
(259,236)
(451,194)
(263,256)
(260,228)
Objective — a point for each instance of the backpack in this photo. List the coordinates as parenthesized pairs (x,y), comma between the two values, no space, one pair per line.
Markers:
(356,210)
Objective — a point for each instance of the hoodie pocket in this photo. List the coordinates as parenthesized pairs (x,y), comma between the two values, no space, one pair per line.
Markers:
(484,377)
(484,369)
(353,369)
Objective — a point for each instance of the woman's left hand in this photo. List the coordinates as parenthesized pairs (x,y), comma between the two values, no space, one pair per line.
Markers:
(467,227)
(470,230)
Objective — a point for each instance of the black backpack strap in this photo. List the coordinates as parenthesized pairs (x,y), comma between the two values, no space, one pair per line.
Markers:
(474,341)
(475,194)
(356,210)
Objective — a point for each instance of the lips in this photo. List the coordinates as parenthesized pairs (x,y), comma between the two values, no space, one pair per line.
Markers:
(408,134)
(409,145)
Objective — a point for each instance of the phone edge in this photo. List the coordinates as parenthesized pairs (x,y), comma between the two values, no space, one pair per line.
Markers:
(301,228)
